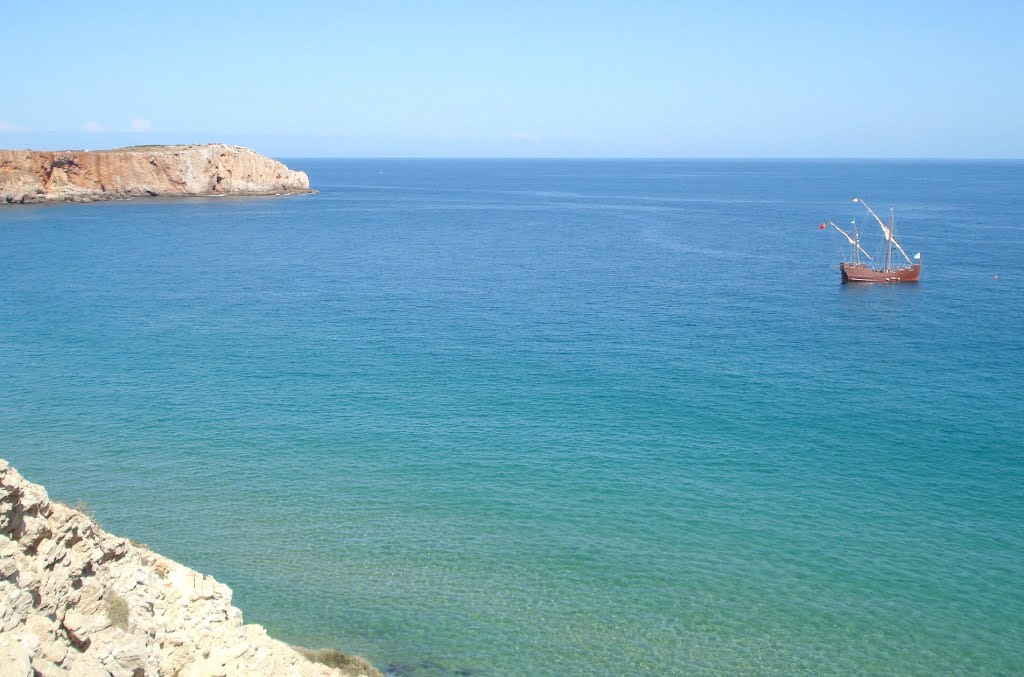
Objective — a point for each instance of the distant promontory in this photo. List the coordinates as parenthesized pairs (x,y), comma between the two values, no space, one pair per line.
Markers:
(32,176)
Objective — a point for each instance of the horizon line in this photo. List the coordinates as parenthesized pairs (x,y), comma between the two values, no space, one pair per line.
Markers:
(613,158)
(599,158)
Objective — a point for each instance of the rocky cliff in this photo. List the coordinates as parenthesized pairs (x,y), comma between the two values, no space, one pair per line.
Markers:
(75,600)
(142,171)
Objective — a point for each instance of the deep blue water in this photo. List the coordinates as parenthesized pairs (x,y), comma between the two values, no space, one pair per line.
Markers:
(549,417)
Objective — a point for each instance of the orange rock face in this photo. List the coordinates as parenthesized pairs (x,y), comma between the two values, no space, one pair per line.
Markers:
(142,171)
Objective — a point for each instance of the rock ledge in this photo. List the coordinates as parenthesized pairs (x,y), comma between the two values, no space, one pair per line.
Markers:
(77,601)
(28,176)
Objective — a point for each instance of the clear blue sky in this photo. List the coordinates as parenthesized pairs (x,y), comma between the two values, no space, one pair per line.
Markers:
(496,79)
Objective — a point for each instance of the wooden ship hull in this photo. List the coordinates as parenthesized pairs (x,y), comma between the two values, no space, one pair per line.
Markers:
(858,272)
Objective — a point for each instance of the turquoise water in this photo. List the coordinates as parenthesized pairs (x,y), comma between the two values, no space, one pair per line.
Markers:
(549,417)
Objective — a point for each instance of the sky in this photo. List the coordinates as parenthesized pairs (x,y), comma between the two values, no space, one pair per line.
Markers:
(727,79)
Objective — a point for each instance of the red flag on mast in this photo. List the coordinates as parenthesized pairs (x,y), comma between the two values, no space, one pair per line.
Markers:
(821,227)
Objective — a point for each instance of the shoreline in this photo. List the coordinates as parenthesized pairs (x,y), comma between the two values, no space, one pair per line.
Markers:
(84,601)
(93,199)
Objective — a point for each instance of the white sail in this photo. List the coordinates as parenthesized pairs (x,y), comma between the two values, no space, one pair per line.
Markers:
(888,233)
(851,240)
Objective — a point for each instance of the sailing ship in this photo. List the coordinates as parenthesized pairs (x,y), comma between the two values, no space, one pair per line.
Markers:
(856,270)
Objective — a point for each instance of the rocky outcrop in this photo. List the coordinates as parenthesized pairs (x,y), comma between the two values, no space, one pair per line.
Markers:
(77,601)
(142,171)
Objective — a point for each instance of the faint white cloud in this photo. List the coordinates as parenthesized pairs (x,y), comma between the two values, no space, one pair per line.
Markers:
(7,128)
(140,125)
(92,127)
(525,136)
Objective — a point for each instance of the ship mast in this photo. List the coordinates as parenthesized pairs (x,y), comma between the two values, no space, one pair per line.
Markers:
(888,235)
(854,241)
(888,251)
(856,236)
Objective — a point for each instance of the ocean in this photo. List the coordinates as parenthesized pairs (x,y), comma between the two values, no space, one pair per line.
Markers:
(549,417)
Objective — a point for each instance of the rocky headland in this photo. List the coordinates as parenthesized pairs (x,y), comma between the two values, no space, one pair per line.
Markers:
(78,601)
(28,176)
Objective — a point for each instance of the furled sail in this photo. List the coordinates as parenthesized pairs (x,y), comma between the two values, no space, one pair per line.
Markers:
(888,233)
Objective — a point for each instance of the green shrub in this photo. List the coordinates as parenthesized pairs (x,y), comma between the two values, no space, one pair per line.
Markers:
(333,658)
(117,610)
